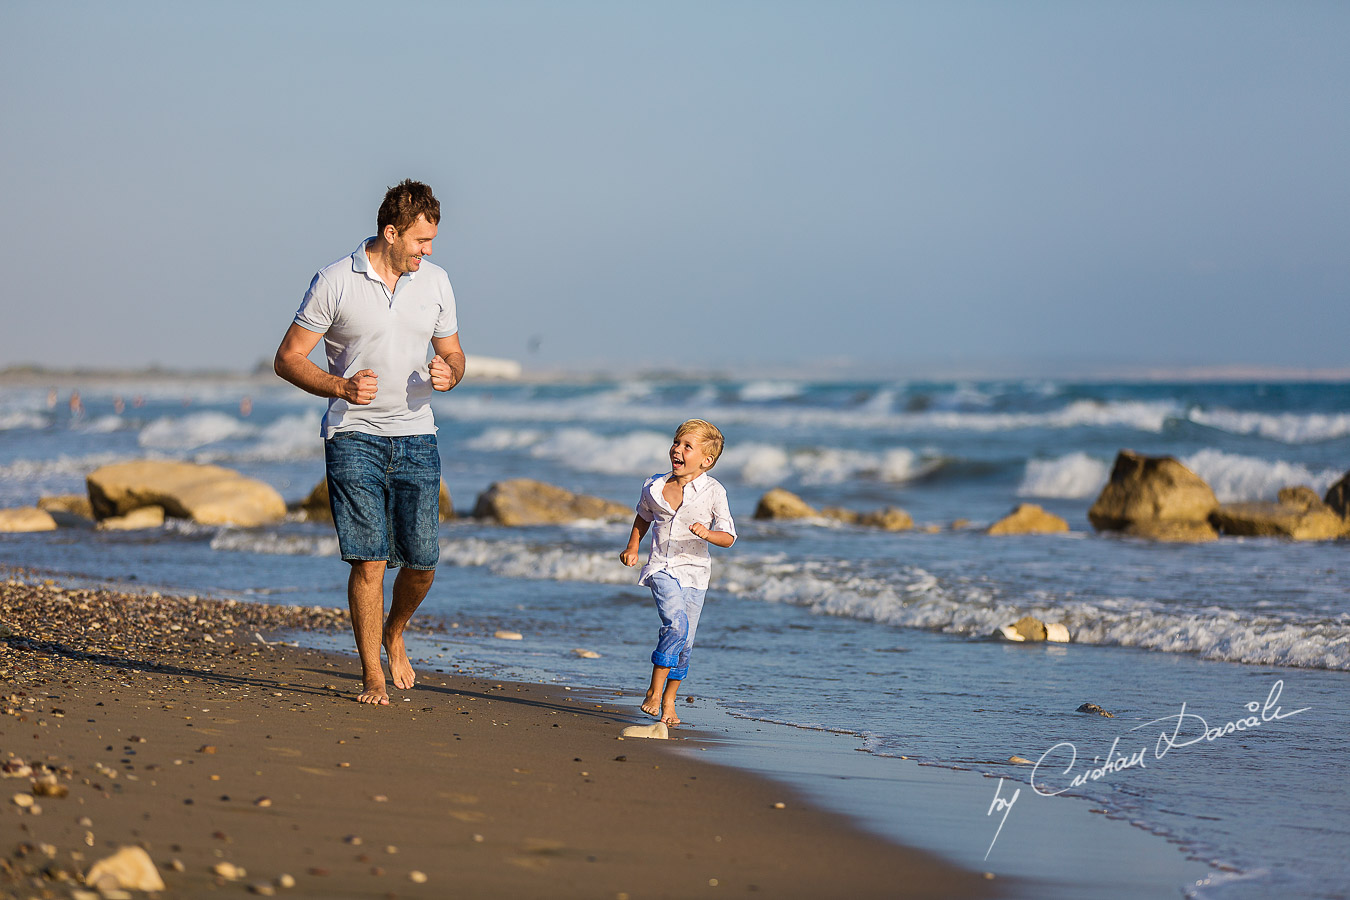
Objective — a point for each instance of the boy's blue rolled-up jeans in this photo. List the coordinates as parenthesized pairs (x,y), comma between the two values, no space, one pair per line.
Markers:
(679,608)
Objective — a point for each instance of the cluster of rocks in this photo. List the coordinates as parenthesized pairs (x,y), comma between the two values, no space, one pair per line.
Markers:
(1153,497)
(780,504)
(1157,497)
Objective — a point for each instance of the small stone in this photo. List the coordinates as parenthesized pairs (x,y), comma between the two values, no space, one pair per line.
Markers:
(659,731)
(417,877)
(263,802)
(780,805)
(1020,761)
(353,839)
(262,888)
(206,748)
(23,801)
(509,635)
(391,849)
(285,881)
(228,870)
(177,865)
(1093,708)
(130,868)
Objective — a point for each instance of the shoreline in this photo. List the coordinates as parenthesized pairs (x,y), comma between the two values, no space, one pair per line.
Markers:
(178,724)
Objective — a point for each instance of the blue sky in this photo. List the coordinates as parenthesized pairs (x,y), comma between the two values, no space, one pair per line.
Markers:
(712,186)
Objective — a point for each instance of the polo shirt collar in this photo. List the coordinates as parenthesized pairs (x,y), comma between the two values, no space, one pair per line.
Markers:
(361,263)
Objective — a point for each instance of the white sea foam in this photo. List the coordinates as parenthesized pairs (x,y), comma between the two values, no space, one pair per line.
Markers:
(638,452)
(11,420)
(1068,477)
(195,430)
(616,406)
(494,439)
(1236,478)
(1289,428)
(763,391)
(272,543)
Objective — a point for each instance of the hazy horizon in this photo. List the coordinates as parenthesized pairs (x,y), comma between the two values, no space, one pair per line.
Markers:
(732,187)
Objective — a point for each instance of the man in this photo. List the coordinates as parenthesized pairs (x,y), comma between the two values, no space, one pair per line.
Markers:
(376,311)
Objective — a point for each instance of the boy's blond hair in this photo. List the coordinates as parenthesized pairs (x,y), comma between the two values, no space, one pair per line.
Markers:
(707,433)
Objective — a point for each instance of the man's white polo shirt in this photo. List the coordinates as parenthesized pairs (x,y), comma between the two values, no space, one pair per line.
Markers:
(675,549)
(367,326)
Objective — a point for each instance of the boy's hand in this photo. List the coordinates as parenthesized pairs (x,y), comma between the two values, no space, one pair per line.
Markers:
(629,557)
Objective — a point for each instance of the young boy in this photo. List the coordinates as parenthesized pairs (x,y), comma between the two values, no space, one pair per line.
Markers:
(689,509)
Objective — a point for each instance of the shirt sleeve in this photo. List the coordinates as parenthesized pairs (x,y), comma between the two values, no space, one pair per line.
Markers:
(447,323)
(319,308)
(644,503)
(721,513)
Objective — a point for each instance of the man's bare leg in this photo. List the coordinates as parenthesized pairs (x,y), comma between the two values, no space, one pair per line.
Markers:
(668,702)
(410,589)
(652,704)
(365,599)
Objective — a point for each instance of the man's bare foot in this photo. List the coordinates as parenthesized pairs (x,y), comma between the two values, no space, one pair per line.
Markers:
(374,693)
(652,706)
(399,667)
(668,715)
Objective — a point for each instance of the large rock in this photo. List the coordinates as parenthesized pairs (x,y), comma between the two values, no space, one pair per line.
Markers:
(74,506)
(1174,532)
(1338,497)
(137,519)
(318,509)
(26,518)
(1028,518)
(1151,491)
(210,495)
(783,504)
(888,518)
(1290,520)
(523,501)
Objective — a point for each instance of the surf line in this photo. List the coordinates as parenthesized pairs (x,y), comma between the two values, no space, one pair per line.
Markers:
(1187,728)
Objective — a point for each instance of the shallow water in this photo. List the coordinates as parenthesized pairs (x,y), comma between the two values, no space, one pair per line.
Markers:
(881,637)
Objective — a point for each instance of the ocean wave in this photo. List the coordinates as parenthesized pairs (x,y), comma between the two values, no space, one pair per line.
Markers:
(615,406)
(641,453)
(1288,428)
(195,430)
(1074,476)
(1237,478)
(768,391)
(14,420)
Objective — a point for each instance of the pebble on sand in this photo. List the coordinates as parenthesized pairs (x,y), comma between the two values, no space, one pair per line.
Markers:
(228,870)
(129,868)
(417,877)
(509,636)
(658,730)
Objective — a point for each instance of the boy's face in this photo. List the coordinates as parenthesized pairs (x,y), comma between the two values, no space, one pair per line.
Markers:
(688,456)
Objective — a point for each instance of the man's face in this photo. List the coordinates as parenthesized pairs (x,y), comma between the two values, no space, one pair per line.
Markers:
(408,248)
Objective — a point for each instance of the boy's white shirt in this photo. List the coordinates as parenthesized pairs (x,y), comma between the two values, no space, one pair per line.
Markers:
(675,549)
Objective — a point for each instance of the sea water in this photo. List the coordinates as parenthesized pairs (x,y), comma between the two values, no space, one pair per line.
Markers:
(1226,665)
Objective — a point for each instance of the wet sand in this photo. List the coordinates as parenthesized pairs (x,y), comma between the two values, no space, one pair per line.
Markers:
(182,726)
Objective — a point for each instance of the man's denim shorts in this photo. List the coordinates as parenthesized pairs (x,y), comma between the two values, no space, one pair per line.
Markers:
(384,493)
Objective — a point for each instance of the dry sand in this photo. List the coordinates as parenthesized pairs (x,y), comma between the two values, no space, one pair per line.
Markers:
(164,723)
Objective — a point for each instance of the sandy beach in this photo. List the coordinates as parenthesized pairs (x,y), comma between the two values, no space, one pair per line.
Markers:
(183,726)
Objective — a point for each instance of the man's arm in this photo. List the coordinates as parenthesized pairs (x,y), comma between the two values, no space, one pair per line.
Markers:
(292,363)
(447,366)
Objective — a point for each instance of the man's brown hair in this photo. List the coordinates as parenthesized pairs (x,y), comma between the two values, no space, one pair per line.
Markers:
(404,202)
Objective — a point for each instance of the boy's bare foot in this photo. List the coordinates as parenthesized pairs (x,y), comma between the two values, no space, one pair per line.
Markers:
(652,706)
(668,715)
(399,667)
(374,693)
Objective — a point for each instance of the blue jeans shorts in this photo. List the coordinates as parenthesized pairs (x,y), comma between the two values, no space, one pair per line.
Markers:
(679,608)
(384,492)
